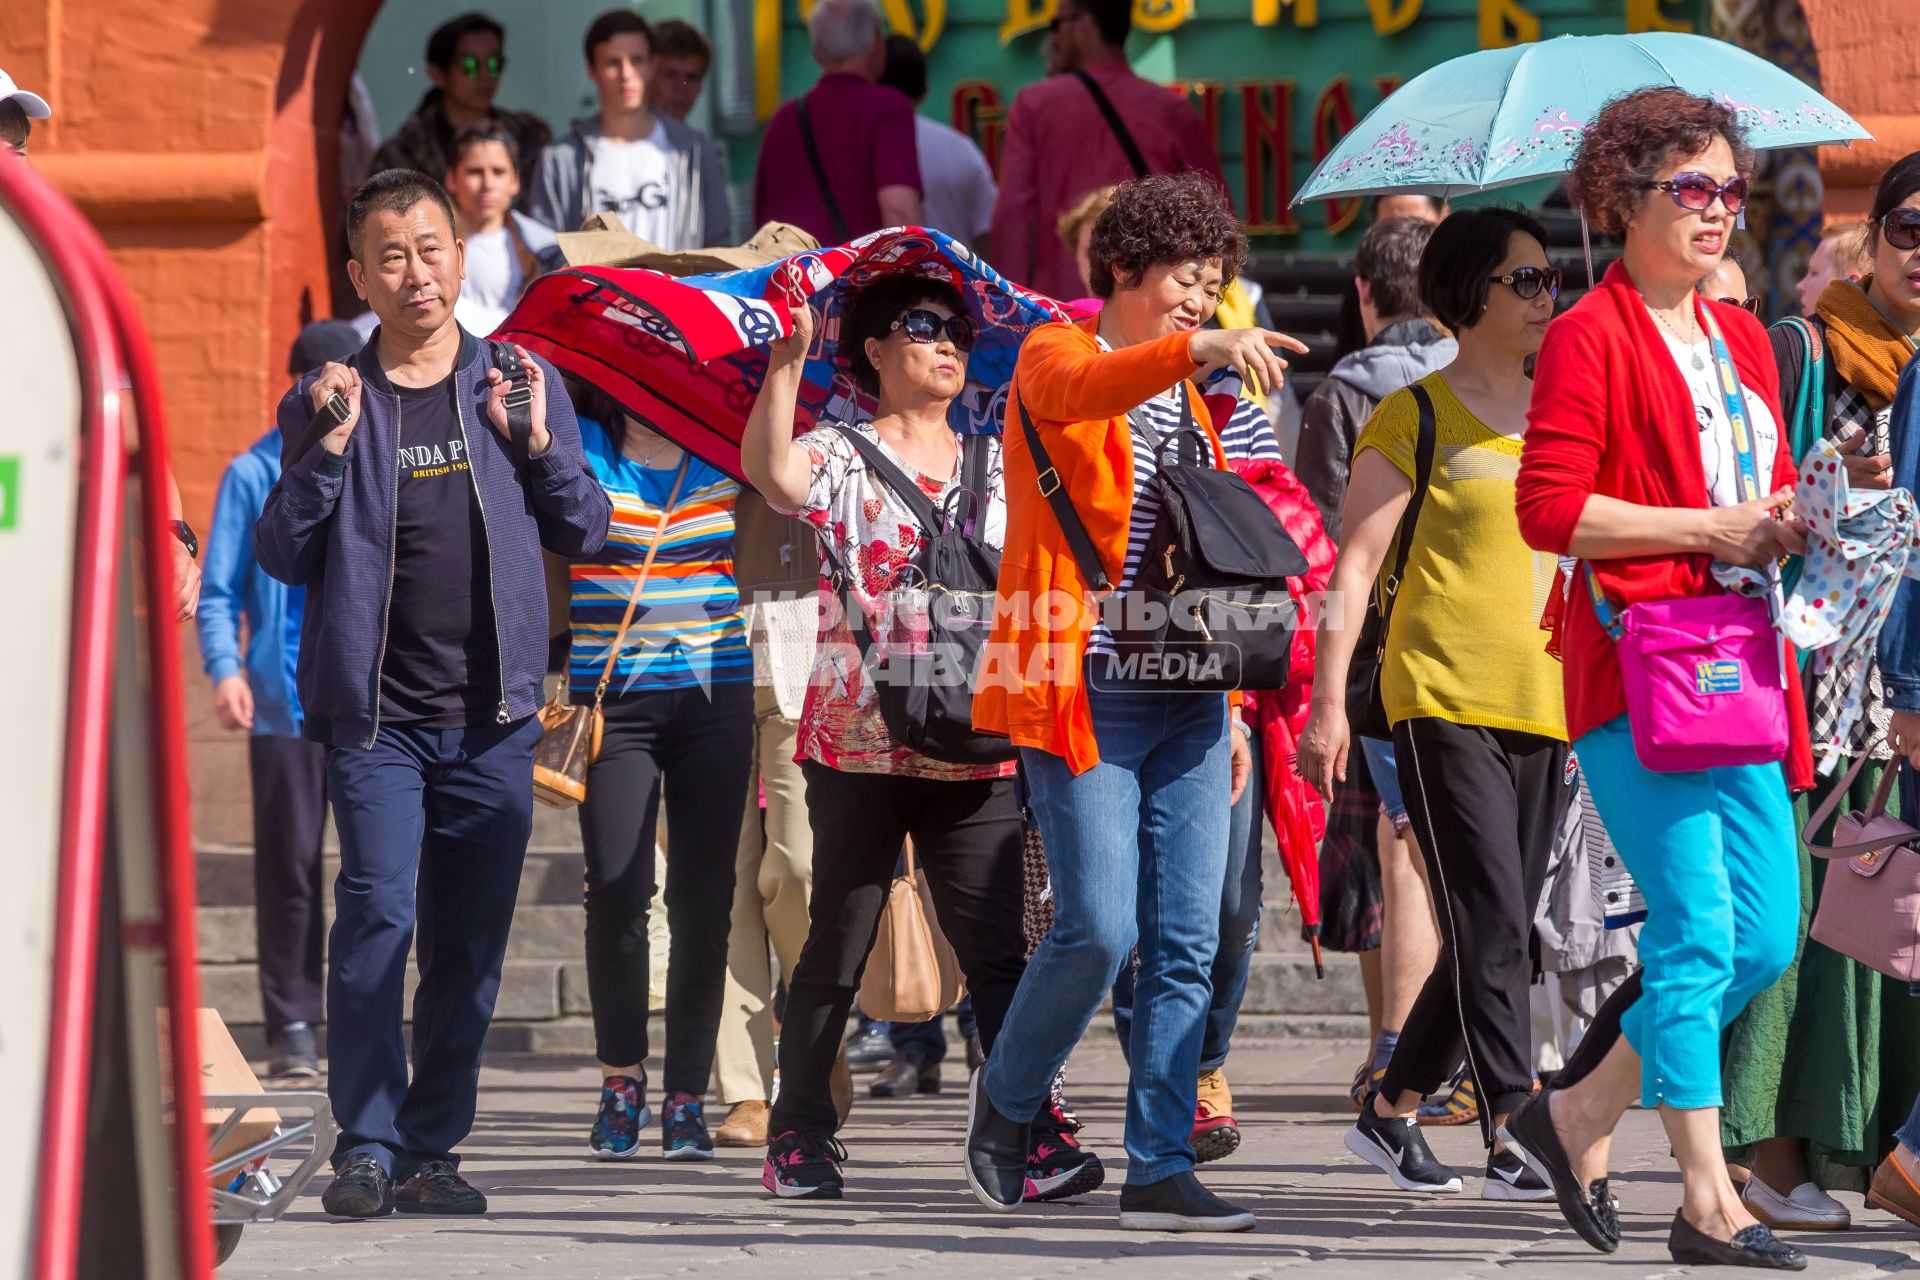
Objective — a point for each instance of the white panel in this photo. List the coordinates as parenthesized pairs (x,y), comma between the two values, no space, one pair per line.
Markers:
(39,434)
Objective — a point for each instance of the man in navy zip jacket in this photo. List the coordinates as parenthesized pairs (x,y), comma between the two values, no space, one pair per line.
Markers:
(416,531)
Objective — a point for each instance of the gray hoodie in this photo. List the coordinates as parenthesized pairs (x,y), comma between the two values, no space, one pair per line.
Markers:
(1330,421)
(702,213)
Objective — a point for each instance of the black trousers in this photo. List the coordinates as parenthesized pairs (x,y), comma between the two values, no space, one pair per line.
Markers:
(698,750)
(968,838)
(290,932)
(1484,804)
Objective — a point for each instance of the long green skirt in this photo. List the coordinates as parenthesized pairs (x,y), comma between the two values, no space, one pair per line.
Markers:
(1831,1052)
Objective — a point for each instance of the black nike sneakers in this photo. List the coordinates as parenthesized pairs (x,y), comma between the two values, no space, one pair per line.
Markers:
(1511,1178)
(1397,1149)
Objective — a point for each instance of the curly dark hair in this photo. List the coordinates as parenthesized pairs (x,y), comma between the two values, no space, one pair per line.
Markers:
(1633,138)
(871,313)
(1163,219)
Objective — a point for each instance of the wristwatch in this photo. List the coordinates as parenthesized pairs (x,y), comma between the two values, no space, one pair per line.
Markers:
(184,531)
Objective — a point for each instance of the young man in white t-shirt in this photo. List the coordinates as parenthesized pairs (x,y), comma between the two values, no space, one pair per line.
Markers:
(664,179)
(505,249)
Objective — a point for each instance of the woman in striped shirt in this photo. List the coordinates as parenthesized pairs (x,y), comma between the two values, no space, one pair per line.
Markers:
(679,720)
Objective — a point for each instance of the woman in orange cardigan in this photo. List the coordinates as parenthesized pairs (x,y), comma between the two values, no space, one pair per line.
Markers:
(1131,782)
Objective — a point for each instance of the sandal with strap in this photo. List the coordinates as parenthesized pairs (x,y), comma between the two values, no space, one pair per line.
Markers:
(1460,1106)
(1363,1083)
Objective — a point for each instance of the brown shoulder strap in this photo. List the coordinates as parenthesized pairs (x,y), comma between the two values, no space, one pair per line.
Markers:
(640,583)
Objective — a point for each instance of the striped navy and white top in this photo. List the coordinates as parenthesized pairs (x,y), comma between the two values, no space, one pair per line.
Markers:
(1246,435)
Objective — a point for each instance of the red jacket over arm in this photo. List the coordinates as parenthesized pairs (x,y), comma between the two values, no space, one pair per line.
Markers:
(1611,415)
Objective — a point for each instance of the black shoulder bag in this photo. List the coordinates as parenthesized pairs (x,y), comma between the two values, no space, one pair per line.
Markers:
(925,691)
(834,218)
(1366,712)
(1209,607)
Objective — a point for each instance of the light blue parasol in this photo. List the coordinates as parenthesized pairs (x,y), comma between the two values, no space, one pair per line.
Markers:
(1503,116)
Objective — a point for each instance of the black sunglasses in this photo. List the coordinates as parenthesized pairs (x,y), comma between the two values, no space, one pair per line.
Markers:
(1529,281)
(1696,192)
(927,326)
(1749,305)
(1901,227)
(494,63)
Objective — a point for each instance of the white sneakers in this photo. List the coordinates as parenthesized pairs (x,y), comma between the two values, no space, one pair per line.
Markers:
(1808,1208)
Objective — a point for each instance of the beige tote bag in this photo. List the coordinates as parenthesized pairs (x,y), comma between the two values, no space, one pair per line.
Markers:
(912,974)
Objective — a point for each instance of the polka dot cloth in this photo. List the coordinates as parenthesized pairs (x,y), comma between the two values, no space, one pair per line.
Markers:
(1859,547)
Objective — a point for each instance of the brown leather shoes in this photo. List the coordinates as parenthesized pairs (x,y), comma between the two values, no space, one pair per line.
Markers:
(745,1126)
(1896,1186)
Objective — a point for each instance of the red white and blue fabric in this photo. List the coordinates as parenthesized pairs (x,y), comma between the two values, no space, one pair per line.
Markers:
(687,356)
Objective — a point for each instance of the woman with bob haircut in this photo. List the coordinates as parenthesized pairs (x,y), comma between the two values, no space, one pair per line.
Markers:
(1481,757)
(1632,463)
(1131,782)
(905,337)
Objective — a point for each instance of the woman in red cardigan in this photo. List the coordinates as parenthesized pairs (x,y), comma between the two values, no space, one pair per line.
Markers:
(1630,464)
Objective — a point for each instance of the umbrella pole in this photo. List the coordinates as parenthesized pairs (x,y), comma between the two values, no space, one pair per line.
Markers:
(1586,246)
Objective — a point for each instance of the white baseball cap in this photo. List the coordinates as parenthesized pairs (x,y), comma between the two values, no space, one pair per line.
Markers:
(32,103)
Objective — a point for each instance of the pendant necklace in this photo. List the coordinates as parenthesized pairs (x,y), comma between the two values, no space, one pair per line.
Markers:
(1692,346)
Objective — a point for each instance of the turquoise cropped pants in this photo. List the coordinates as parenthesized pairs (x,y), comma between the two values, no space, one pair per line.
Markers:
(1714,854)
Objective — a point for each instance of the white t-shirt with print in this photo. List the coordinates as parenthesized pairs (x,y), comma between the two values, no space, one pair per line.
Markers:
(1717,454)
(637,180)
(492,286)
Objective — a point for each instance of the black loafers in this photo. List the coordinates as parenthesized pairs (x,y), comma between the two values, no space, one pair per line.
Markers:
(1588,1210)
(1754,1247)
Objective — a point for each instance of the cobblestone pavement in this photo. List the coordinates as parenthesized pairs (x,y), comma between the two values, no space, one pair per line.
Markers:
(558,1214)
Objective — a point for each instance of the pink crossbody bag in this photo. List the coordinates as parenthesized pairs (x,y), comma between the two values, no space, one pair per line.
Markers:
(1704,677)
(1870,902)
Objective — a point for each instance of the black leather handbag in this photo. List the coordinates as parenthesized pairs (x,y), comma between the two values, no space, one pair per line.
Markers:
(1209,607)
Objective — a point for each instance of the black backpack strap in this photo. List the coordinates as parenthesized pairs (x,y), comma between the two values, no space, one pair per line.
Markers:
(1055,493)
(834,218)
(519,399)
(976,450)
(894,478)
(1422,478)
(1115,123)
(326,419)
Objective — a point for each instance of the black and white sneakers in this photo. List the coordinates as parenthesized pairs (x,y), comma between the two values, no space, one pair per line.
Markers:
(1511,1178)
(1397,1149)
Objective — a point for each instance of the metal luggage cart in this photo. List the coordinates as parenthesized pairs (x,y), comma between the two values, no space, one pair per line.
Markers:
(246,1190)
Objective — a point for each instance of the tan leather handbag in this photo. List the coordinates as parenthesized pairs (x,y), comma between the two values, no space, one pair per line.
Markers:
(912,974)
(570,735)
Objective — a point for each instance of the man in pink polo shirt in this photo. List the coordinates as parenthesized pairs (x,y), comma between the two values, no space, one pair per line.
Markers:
(841,160)
(1060,143)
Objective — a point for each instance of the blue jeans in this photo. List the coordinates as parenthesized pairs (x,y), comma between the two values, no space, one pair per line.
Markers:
(433,828)
(927,1041)
(1716,853)
(1137,851)
(1239,932)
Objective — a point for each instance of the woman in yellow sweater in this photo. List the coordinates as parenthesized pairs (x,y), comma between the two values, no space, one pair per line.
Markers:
(1473,697)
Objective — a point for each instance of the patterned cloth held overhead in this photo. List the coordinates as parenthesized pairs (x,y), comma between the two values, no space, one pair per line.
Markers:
(1859,546)
(688,356)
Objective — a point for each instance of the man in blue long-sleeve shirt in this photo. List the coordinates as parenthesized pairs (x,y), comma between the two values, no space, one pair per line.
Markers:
(253,691)
(416,526)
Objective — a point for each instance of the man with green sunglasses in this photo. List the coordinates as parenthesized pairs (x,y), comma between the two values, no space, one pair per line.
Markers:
(466,56)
